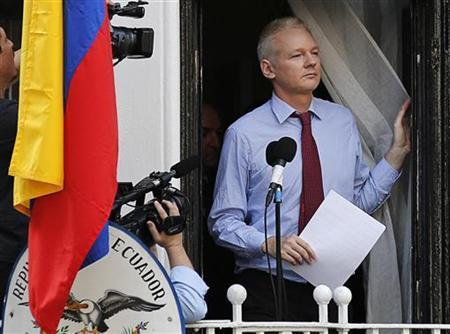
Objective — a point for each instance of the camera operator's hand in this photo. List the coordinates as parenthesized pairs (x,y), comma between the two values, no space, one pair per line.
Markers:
(161,238)
(173,244)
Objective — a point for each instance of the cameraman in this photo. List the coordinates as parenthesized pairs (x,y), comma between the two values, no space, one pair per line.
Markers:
(189,286)
(13,225)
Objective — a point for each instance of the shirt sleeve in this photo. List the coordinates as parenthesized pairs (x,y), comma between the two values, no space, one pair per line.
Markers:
(227,217)
(191,290)
(372,187)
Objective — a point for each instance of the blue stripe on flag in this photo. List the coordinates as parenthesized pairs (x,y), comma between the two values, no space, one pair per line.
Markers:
(82,21)
(99,249)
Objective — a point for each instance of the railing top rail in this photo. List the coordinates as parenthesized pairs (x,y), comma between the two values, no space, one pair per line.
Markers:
(390,326)
(258,326)
(309,326)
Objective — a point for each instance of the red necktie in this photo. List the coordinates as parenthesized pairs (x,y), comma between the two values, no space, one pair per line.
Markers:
(312,193)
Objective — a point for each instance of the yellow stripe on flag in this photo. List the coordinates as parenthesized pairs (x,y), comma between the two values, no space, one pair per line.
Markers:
(37,161)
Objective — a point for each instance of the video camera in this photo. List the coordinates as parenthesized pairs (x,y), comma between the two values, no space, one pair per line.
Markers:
(130,42)
(158,183)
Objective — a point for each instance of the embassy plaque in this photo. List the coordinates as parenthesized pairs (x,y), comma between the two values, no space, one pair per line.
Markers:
(125,292)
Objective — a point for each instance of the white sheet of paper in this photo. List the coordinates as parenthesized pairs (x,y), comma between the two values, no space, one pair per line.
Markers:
(341,235)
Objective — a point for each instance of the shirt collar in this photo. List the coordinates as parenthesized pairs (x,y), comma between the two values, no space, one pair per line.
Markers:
(282,110)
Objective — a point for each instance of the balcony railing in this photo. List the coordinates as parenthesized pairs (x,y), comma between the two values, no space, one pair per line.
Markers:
(322,295)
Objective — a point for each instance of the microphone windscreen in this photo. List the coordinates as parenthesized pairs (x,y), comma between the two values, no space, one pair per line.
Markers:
(285,149)
(270,153)
(185,166)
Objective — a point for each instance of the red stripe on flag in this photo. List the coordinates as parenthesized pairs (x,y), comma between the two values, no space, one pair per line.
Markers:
(64,225)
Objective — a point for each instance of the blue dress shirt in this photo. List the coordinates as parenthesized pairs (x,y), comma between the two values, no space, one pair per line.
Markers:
(237,216)
(191,290)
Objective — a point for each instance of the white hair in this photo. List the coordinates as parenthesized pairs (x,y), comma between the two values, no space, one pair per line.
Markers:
(264,49)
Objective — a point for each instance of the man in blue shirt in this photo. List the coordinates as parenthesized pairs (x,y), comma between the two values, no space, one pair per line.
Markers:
(290,58)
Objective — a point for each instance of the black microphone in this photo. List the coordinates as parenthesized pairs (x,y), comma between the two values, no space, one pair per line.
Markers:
(278,153)
(185,166)
(270,153)
(160,179)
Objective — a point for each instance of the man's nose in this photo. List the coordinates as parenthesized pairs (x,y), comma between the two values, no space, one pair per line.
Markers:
(214,140)
(310,59)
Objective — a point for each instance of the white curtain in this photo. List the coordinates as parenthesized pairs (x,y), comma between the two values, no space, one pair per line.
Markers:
(358,75)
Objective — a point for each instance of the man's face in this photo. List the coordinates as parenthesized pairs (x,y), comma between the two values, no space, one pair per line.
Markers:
(295,64)
(212,132)
(7,69)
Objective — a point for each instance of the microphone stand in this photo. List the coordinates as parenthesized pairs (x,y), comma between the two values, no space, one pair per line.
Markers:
(280,295)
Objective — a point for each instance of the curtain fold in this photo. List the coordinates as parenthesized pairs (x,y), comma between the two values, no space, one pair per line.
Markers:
(359,76)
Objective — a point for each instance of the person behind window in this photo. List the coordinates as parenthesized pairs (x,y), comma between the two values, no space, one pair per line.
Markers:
(218,261)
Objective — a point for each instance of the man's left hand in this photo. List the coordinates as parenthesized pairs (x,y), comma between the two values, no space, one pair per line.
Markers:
(401,145)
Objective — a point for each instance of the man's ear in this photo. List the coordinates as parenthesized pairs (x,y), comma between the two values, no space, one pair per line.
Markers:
(267,69)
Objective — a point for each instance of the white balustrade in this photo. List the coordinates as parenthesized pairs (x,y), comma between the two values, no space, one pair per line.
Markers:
(342,296)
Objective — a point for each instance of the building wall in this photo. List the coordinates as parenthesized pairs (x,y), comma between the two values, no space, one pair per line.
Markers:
(148,96)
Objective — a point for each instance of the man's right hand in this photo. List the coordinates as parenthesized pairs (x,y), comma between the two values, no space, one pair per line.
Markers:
(173,244)
(161,238)
(293,250)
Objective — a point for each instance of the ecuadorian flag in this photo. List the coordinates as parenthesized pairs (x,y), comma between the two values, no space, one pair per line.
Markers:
(65,156)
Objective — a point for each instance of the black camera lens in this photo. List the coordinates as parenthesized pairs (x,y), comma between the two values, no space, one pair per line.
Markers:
(130,42)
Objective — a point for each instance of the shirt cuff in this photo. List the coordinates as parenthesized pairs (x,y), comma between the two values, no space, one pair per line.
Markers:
(188,276)
(385,175)
(254,242)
